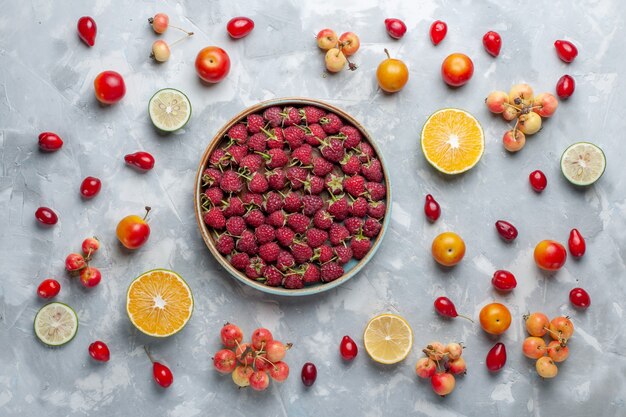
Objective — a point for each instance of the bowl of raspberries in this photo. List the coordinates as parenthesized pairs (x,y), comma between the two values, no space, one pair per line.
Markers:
(292,196)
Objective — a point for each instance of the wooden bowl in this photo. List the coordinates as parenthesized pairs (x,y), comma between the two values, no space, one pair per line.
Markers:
(352,267)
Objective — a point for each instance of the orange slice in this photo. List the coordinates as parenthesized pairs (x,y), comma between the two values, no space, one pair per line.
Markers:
(452,141)
(159,303)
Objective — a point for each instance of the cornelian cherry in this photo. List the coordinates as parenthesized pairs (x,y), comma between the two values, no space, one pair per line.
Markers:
(492,43)
(503,280)
(496,357)
(438,31)
(395,28)
(566,50)
(445,307)
(48,288)
(141,160)
(87,30)
(538,180)
(580,298)
(506,230)
(348,348)
(90,187)
(432,210)
(161,373)
(576,243)
(46,216)
(308,374)
(99,351)
(50,142)
(239,27)
(565,86)
(109,87)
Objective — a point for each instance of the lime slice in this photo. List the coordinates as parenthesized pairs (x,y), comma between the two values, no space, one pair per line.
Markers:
(56,324)
(583,163)
(169,109)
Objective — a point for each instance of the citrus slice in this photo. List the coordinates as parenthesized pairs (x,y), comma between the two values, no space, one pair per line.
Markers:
(452,141)
(388,338)
(583,163)
(56,324)
(169,109)
(159,303)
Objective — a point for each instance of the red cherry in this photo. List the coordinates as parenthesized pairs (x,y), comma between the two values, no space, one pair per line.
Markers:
(445,307)
(45,215)
(109,87)
(395,28)
(141,160)
(576,243)
(90,187)
(348,348)
(538,181)
(580,298)
(566,50)
(506,230)
(438,31)
(496,357)
(161,373)
(503,280)
(74,262)
(49,142)
(565,86)
(431,208)
(309,374)
(48,288)
(492,43)
(238,27)
(90,276)
(87,30)
(99,351)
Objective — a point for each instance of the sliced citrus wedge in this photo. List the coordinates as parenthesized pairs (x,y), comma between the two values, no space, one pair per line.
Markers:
(388,338)
(159,303)
(169,109)
(452,141)
(583,163)
(56,324)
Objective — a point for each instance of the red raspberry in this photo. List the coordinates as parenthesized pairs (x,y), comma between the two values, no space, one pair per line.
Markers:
(237,152)
(343,253)
(372,170)
(256,268)
(334,183)
(273,277)
(376,209)
(338,234)
(264,234)
(276,179)
(365,151)
(215,195)
(225,244)
(316,237)
(257,142)
(314,134)
(297,177)
(291,116)
(321,166)
(311,114)
(254,218)
(302,155)
(219,158)
(285,261)
(294,136)
(273,202)
(339,208)
(331,271)
(211,177)
(360,245)
(371,227)
(272,115)
(352,136)
(238,133)
(277,219)
(275,138)
(331,123)
(322,219)
(235,225)
(231,182)
(293,202)
(276,158)
(323,254)
(359,207)
(252,199)
(298,222)
(255,122)
(258,183)
(240,261)
(353,224)
(234,207)
(376,190)
(269,251)
(285,236)
(350,164)
(293,281)
(247,243)
(311,204)
(332,149)
(215,218)
(310,273)
(314,185)
(354,185)
(301,252)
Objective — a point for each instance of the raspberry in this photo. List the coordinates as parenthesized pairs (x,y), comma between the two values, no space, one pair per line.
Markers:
(291,116)
(247,243)
(311,204)
(371,227)
(256,268)
(211,177)
(294,136)
(332,149)
(273,277)
(285,236)
(331,271)
(264,234)
(359,207)
(350,164)
(231,182)
(298,222)
(314,185)
(276,158)
(238,133)
(258,183)
(301,252)
(343,253)
(311,114)
(321,166)
(353,224)
(234,207)
(352,136)
(214,195)
(331,123)
(354,185)
(252,162)
(314,134)
(339,208)
(275,138)
(293,281)
(302,154)
(316,237)
(376,190)
(284,261)
(276,179)
(293,202)
(225,244)
(269,251)
(365,151)
(376,209)
(276,219)
(254,218)
(322,219)
(255,122)
(334,183)
(237,152)
(219,158)
(310,273)
(360,245)
(215,218)
(338,234)
(240,261)
(323,254)
(235,225)
(272,115)
(372,170)
(257,142)
(252,199)
(297,177)
(273,202)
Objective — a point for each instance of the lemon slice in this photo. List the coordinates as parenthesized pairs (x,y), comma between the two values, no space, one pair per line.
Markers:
(159,303)
(388,338)
(583,163)
(169,109)
(56,324)
(452,141)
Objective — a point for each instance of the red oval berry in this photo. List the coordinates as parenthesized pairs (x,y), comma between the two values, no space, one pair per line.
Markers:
(87,30)
(506,230)
(48,288)
(503,280)
(395,28)
(141,160)
(565,86)
(162,374)
(576,243)
(432,210)
(438,31)
(45,215)
(308,374)
(496,357)
(566,50)
(348,348)
(49,142)
(492,43)
(580,298)
(538,181)
(90,187)
(445,307)
(99,351)
(238,27)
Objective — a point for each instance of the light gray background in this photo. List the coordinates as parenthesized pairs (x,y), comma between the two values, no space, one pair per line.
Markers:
(46,83)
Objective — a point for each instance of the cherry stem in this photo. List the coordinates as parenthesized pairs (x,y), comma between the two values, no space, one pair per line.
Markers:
(181,29)
(148,208)
(387,52)
(181,39)
(515,107)
(465,317)
(148,353)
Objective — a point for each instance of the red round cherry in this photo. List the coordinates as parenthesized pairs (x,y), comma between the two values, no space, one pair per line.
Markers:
(238,27)
(566,50)
(109,87)
(45,215)
(503,280)
(445,307)
(87,30)
(308,374)
(506,230)
(48,288)
(580,298)
(141,160)
(90,187)
(576,243)
(395,28)
(565,86)
(438,31)
(49,142)
(348,348)
(99,351)
(492,43)
(496,357)
(431,208)
(538,180)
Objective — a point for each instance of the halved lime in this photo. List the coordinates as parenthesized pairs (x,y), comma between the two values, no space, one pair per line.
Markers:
(56,324)
(169,109)
(583,163)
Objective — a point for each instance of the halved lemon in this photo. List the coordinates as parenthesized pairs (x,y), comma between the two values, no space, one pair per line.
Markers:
(388,338)
(159,303)
(56,324)
(452,141)
(169,109)
(583,163)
